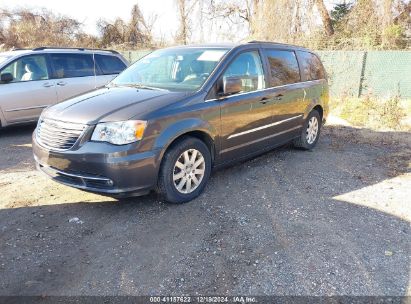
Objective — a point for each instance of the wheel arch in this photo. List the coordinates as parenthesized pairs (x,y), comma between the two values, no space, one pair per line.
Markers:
(3,121)
(314,106)
(320,110)
(191,127)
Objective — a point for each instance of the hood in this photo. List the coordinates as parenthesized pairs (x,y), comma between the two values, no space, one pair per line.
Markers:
(111,104)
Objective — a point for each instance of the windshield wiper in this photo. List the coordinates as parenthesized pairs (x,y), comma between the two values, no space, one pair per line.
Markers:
(142,86)
(135,85)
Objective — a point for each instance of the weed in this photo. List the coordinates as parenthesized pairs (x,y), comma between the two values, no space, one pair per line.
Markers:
(371,112)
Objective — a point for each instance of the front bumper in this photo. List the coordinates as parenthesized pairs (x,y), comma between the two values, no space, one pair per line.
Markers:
(101,168)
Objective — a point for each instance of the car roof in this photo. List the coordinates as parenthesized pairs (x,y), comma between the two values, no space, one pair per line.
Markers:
(263,44)
(278,45)
(208,45)
(42,50)
(13,53)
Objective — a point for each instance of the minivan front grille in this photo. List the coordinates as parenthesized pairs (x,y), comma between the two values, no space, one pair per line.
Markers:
(58,135)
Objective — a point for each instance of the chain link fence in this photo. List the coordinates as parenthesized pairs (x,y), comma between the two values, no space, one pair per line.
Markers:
(378,73)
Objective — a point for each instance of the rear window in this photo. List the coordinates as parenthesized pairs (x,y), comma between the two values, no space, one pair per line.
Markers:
(72,65)
(109,64)
(312,68)
(283,67)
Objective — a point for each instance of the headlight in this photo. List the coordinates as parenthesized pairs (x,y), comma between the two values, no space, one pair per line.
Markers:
(119,132)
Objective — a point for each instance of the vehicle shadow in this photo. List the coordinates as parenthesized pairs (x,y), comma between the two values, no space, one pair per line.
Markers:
(15,147)
(286,223)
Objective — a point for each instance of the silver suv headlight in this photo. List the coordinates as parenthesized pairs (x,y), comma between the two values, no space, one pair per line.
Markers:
(119,132)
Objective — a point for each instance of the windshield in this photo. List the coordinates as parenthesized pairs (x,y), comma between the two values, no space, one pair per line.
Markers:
(3,58)
(183,69)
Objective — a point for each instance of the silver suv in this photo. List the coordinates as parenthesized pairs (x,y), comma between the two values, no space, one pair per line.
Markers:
(31,80)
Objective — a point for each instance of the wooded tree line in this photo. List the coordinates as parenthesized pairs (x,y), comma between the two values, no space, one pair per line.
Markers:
(355,24)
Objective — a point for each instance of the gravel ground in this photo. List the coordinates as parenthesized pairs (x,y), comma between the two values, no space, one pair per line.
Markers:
(334,221)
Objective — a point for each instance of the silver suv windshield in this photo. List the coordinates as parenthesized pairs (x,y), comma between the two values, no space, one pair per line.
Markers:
(184,69)
(3,58)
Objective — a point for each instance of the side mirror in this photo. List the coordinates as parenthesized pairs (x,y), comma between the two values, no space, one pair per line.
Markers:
(6,77)
(232,85)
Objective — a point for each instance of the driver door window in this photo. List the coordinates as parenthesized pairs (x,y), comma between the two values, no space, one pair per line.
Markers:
(29,92)
(248,67)
(28,68)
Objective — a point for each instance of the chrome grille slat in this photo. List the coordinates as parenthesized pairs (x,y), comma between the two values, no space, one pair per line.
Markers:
(52,131)
(58,135)
(50,128)
(64,125)
(58,141)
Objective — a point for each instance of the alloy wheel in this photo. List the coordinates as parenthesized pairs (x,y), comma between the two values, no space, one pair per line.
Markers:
(312,130)
(188,171)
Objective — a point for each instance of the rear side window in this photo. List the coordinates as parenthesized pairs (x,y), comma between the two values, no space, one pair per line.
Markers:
(72,65)
(283,67)
(312,68)
(109,64)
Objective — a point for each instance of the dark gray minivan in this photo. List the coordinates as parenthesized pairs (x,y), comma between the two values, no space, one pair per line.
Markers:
(175,114)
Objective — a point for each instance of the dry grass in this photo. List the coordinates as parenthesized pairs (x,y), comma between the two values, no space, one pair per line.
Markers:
(374,113)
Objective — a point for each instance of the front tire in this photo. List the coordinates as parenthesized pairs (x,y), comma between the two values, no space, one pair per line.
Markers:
(310,133)
(185,170)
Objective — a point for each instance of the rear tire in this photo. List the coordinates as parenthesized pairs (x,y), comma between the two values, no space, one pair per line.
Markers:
(310,133)
(185,170)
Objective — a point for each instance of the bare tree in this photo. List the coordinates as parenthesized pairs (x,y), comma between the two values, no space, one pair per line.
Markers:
(136,33)
(31,28)
(282,20)
(403,9)
(182,36)
(246,12)
(325,17)
(185,8)
(137,30)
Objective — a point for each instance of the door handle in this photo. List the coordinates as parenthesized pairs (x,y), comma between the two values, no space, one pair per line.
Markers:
(278,97)
(61,83)
(264,100)
(47,84)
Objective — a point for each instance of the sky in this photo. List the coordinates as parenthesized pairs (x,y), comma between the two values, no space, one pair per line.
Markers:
(89,11)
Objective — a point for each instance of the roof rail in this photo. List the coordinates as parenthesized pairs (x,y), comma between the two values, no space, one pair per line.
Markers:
(270,42)
(71,48)
(279,44)
(18,49)
(261,41)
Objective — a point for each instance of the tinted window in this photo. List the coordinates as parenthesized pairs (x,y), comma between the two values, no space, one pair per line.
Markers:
(283,66)
(312,68)
(28,68)
(72,65)
(109,64)
(248,67)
